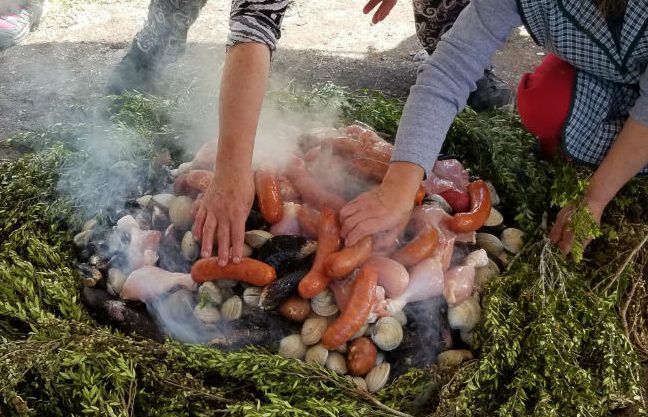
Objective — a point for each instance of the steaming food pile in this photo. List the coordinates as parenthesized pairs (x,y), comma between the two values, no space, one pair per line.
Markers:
(360,310)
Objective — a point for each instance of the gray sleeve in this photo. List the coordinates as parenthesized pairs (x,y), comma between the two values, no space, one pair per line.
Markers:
(256,21)
(639,111)
(446,78)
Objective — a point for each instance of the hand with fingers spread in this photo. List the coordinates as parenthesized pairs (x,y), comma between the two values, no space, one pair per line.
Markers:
(385,210)
(222,213)
(383,11)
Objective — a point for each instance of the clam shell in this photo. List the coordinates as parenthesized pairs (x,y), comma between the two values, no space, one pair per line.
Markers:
(377,377)
(163,200)
(180,213)
(184,167)
(89,225)
(145,201)
(477,258)
(317,354)
(232,308)
(380,358)
(401,317)
(337,363)
(490,243)
(465,315)
(495,200)
(456,357)
(512,239)
(207,313)
(257,238)
(252,295)
(313,329)
(82,239)
(292,347)
(387,333)
(324,303)
(504,259)
(211,292)
(343,348)
(159,219)
(189,247)
(495,218)
(441,202)
(485,274)
(115,282)
(358,381)
(247,250)
(361,332)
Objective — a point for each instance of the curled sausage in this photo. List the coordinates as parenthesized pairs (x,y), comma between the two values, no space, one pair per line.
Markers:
(310,190)
(480,206)
(308,220)
(328,241)
(248,270)
(421,247)
(342,263)
(269,195)
(356,312)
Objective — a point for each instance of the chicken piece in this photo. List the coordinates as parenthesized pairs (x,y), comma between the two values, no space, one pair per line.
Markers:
(150,282)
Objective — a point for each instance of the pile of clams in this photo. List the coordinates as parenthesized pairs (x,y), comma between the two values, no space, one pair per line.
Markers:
(367,312)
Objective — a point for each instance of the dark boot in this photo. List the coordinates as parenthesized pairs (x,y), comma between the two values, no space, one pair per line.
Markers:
(136,71)
(491,93)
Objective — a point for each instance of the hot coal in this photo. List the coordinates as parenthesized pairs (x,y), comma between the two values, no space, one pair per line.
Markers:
(113,312)
(282,289)
(422,336)
(285,253)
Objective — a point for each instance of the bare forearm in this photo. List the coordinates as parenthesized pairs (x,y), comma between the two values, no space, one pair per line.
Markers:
(626,157)
(242,89)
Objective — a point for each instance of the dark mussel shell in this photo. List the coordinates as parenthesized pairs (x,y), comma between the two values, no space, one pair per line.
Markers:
(286,252)
(110,311)
(171,258)
(281,289)
(423,336)
(255,221)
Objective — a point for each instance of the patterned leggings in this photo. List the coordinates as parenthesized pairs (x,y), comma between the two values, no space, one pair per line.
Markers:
(164,35)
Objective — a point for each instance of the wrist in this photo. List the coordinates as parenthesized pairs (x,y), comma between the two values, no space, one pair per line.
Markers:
(405,176)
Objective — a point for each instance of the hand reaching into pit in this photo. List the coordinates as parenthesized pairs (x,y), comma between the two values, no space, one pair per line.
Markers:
(383,11)
(561,233)
(385,210)
(222,213)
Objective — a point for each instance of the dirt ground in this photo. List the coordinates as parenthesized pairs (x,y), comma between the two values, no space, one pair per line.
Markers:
(65,63)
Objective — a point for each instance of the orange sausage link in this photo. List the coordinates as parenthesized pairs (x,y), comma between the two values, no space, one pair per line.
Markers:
(421,247)
(268,192)
(370,168)
(480,207)
(248,270)
(356,311)
(328,241)
(342,263)
(308,220)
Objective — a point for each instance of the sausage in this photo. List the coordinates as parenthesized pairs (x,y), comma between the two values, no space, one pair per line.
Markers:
(268,193)
(342,263)
(480,206)
(308,220)
(248,270)
(310,190)
(356,312)
(421,247)
(328,241)
(369,168)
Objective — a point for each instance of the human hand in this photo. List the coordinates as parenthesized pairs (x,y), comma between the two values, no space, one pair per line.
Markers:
(222,213)
(561,233)
(383,11)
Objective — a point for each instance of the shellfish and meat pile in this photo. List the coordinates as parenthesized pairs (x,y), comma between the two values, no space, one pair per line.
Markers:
(363,311)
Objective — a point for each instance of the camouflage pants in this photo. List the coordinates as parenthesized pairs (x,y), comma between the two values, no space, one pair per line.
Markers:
(432,18)
(164,36)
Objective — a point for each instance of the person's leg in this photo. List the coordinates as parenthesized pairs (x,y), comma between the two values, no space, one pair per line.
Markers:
(162,39)
(17,19)
(433,18)
(544,98)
